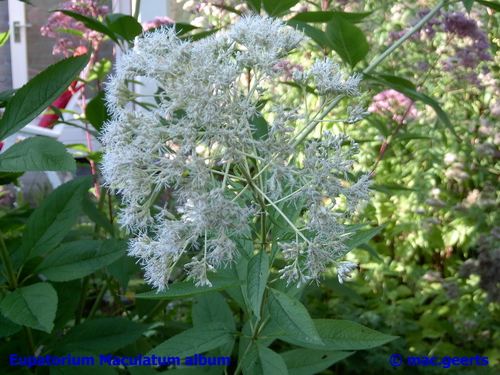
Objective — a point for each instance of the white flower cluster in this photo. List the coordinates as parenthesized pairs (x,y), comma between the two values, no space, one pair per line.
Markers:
(201,145)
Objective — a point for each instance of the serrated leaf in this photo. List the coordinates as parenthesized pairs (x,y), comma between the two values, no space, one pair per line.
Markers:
(36,95)
(194,340)
(97,112)
(291,316)
(187,288)
(123,25)
(37,154)
(100,336)
(33,306)
(8,327)
(275,7)
(54,217)
(77,259)
(343,335)
(311,361)
(263,361)
(208,308)
(347,40)
(258,268)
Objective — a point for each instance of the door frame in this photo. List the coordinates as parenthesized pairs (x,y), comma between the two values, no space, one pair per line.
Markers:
(18,43)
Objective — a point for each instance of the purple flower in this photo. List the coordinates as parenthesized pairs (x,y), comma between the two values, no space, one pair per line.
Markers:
(393,104)
(457,23)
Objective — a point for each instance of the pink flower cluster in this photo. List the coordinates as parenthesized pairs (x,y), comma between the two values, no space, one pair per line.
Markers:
(157,22)
(393,104)
(67,45)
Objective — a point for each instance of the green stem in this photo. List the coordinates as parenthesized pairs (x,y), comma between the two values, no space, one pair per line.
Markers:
(97,302)
(312,125)
(401,40)
(4,254)
(29,340)
(81,302)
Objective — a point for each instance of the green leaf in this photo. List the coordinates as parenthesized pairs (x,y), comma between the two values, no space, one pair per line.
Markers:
(313,17)
(195,340)
(4,37)
(238,272)
(36,95)
(263,361)
(124,269)
(124,26)
(260,128)
(347,40)
(208,308)
(7,178)
(311,361)
(54,217)
(276,7)
(187,288)
(99,336)
(77,259)
(343,335)
(312,32)
(5,96)
(490,4)
(395,80)
(33,306)
(360,237)
(37,154)
(97,111)
(91,23)
(258,268)
(322,17)
(99,70)
(97,217)
(255,5)
(291,316)
(8,327)
(68,295)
